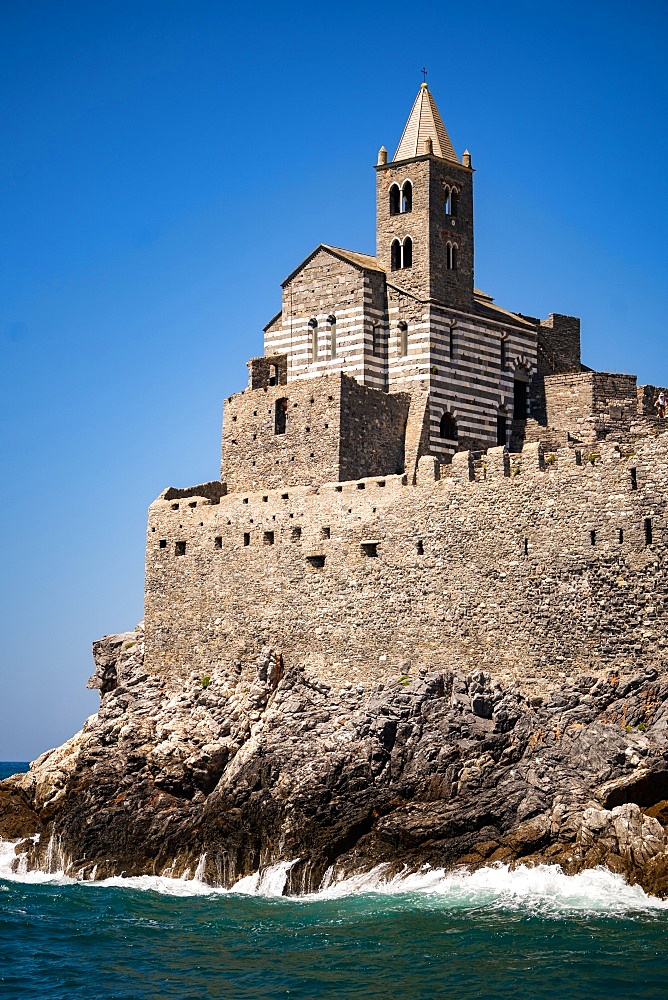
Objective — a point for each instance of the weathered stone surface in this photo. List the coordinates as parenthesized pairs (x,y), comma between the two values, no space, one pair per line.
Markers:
(268,761)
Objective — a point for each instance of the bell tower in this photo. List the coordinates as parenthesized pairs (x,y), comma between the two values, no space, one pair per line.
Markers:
(424,211)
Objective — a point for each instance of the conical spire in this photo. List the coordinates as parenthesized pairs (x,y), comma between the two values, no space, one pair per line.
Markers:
(425,123)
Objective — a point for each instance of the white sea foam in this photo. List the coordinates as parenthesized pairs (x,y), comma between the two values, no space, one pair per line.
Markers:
(544,889)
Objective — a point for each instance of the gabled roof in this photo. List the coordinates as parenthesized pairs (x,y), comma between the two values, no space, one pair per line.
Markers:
(425,122)
(362,261)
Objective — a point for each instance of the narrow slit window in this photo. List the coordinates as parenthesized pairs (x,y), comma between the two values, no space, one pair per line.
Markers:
(246,538)
(647,526)
(403,340)
(419,547)
(280,418)
(452,342)
(326,531)
(634,479)
(313,325)
(621,535)
(218,542)
(526,546)
(503,354)
(592,537)
(331,321)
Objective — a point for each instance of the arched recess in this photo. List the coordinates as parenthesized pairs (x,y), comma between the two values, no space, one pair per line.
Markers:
(448,427)
(331,323)
(313,326)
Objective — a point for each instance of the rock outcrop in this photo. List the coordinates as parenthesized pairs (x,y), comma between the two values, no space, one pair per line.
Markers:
(266,763)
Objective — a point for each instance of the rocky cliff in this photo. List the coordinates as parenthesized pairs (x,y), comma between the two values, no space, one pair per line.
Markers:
(265,763)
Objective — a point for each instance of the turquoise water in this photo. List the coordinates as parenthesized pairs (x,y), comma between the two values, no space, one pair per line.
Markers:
(529,934)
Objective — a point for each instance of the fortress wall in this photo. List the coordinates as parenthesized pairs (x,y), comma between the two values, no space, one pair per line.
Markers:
(526,574)
(591,402)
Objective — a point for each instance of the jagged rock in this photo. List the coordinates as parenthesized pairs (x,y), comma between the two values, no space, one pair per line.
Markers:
(266,762)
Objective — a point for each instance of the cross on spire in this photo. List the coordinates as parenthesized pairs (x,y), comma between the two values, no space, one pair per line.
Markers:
(424,74)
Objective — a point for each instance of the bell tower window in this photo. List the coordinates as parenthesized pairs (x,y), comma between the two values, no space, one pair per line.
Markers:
(407,253)
(395,199)
(407,197)
(451,199)
(395,254)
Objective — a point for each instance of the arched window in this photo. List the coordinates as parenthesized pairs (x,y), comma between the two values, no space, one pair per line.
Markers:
(273,377)
(394,200)
(407,197)
(403,339)
(448,429)
(451,200)
(331,322)
(451,256)
(407,255)
(313,324)
(395,254)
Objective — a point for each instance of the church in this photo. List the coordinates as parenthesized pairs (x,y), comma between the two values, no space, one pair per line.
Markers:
(408,323)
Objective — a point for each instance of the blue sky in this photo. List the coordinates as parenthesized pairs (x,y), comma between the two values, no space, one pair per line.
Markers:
(164,165)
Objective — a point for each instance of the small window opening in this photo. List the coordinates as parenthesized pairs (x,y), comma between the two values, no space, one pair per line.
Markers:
(381,482)
(180,549)
(526,546)
(419,547)
(448,427)
(162,544)
(634,479)
(621,535)
(452,341)
(403,339)
(296,533)
(313,325)
(369,548)
(592,537)
(218,542)
(407,197)
(284,496)
(268,538)
(193,504)
(647,525)
(361,486)
(280,416)
(175,506)
(317,562)
(246,538)
(578,457)
(394,199)
(339,489)
(331,320)
(265,499)
(326,532)
(501,428)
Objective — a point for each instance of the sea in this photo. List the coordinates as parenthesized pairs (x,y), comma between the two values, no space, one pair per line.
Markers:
(497,934)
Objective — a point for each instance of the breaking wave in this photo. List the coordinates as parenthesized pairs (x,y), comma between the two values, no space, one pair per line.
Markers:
(541,890)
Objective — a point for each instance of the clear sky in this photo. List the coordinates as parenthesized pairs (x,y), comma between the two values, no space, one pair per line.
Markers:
(164,164)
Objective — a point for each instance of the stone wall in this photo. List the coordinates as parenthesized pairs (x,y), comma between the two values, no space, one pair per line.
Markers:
(334,428)
(591,405)
(556,568)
